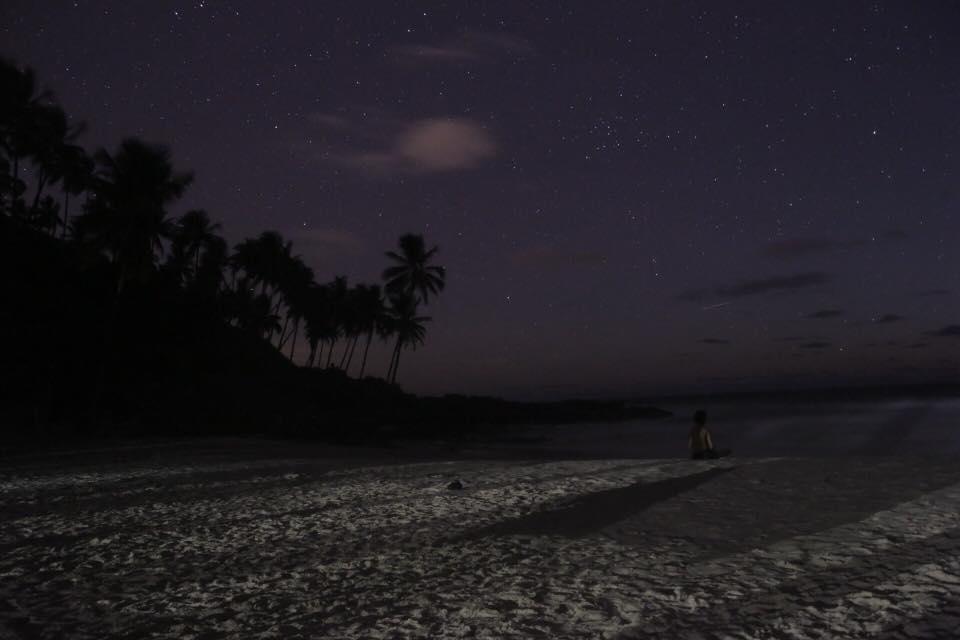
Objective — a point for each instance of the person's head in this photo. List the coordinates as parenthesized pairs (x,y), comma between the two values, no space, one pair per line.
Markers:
(700,418)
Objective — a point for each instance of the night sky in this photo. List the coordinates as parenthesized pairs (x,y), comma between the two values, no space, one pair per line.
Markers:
(630,197)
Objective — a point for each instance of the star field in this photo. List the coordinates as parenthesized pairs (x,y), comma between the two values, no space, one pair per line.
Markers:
(630,197)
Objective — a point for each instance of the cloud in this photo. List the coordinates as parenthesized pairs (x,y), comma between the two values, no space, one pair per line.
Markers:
(815,345)
(934,292)
(823,314)
(470,47)
(760,286)
(714,341)
(917,345)
(888,318)
(429,145)
(442,144)
(448,53)
(795,248)
(556,257)
(767,285)
(798,248)
(949,331)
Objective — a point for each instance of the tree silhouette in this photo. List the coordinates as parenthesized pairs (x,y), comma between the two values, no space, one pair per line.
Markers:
(127,217)
(413,274)
(20,100)
(125,228)
(320,321)
(296,278)
(195,232)
(51,135)
(76,174)
(208,279)
(337,300)
(372,316)
(407,326)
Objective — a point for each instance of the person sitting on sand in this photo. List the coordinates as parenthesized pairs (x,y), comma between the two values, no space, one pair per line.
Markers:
(701,443)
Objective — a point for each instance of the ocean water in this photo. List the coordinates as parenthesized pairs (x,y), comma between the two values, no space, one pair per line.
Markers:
(896,426)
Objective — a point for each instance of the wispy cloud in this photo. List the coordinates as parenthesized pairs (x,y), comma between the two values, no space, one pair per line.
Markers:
(815,345)
(799,248)
(949,331)
(470,47)
(887,318)
(760,286)
(795,248)
(717,341)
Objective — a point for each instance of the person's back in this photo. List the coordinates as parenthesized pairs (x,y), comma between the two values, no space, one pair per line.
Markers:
(701,443)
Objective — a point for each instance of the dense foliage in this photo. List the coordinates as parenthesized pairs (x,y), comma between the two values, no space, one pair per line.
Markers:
(106,290)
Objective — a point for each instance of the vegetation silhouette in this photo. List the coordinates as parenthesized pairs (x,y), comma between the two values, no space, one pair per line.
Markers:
(119,316)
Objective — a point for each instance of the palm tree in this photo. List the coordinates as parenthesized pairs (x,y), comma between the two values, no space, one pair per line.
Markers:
(413,274)
(45,215)
(372,315)
(208,279)
(295,283)
(336,299)
(251,311)
(76,171)
(320,320)
(264,261)
(349,309)
(19,102)
(52,133)
(10,189)
(194,232)
(407,326)
(127,217)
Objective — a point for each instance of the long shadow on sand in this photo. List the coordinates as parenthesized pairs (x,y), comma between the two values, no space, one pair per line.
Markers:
(595,511)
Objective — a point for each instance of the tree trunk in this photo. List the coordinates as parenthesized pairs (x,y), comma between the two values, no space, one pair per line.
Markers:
(346,350)
(280,339)
(66,213)
(36,198)
(366,349)
(320,354)
(353,347)
(330,351)
(396,363)
(293,343)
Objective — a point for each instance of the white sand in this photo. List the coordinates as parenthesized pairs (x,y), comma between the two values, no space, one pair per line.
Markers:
(739,548)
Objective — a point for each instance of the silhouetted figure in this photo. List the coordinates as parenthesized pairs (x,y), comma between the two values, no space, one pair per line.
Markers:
(701,443)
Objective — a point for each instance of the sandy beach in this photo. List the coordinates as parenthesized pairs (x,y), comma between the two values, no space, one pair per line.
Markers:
(286,547)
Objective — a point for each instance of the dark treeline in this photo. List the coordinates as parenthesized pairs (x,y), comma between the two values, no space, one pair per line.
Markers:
(117,318)
(95,235)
